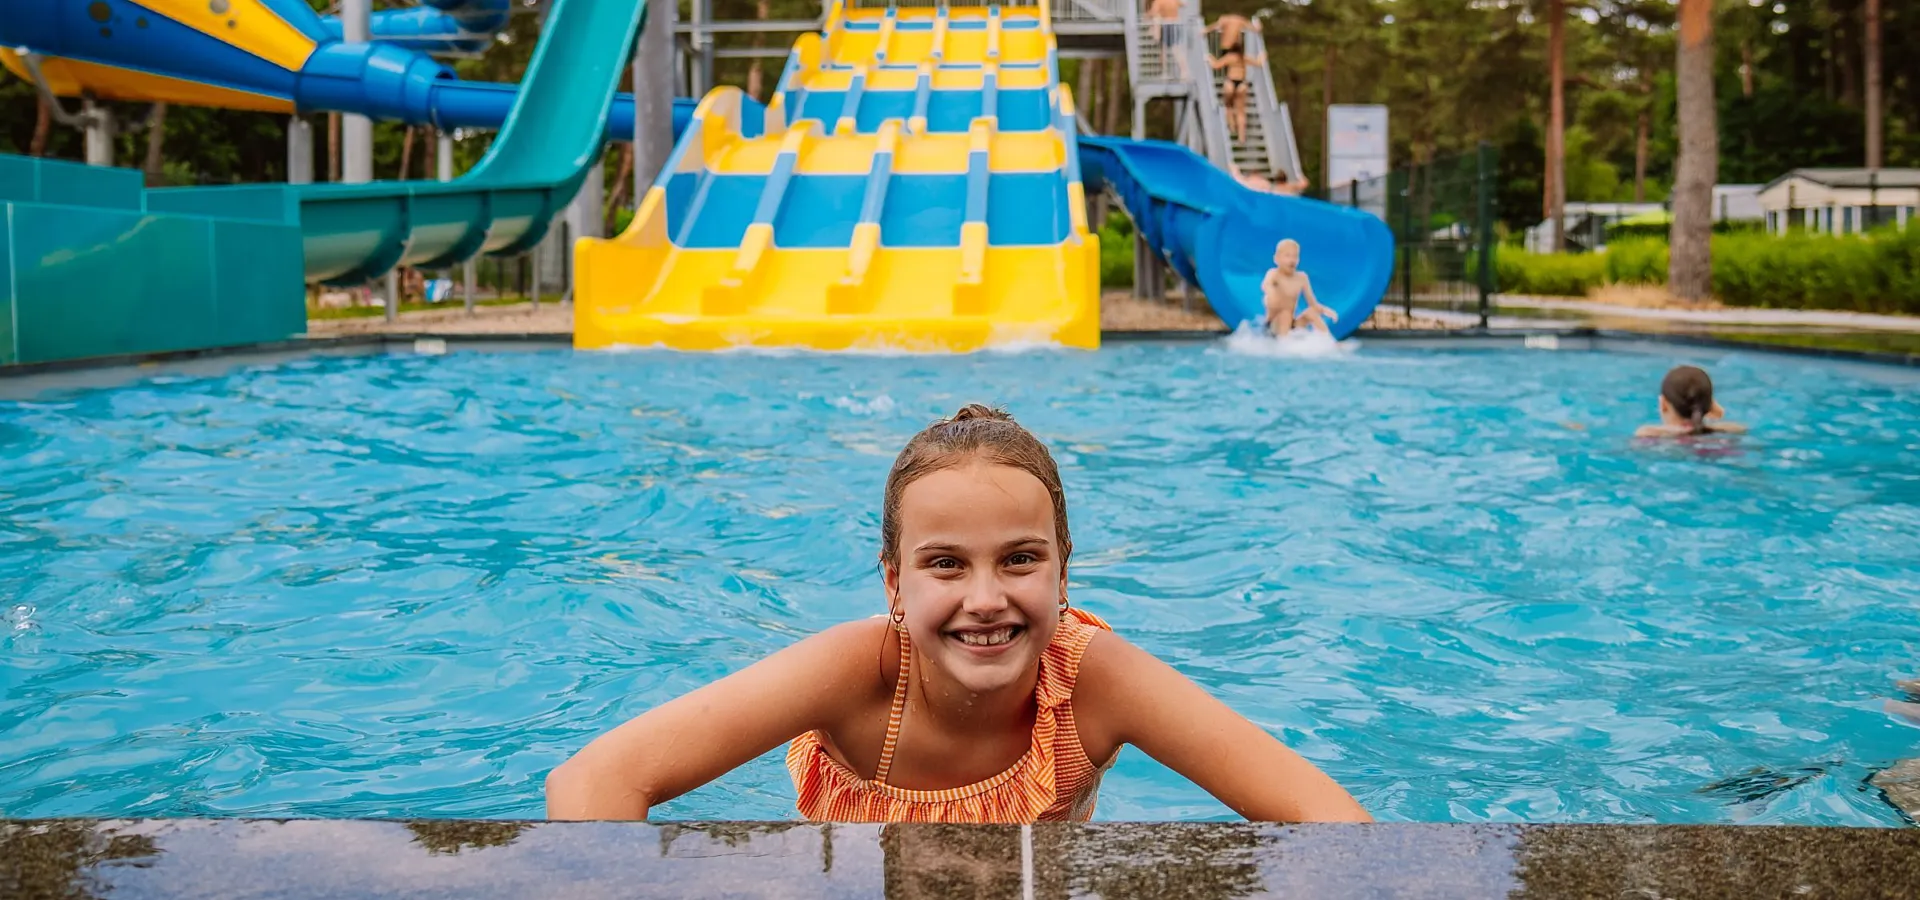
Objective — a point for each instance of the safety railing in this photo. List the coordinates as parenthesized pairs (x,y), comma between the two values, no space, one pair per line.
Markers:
(1164,50)
(1091,10)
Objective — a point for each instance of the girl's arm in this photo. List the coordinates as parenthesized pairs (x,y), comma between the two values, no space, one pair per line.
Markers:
(1126,695)
(696,738)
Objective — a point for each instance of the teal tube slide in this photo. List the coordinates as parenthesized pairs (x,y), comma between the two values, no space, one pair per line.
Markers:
(554,132)
(1220,235)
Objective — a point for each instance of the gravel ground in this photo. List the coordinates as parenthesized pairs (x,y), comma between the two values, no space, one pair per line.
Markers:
(550,318)
(1119,311)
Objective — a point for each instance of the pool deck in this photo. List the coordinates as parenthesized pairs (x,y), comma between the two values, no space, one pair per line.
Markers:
(234,858)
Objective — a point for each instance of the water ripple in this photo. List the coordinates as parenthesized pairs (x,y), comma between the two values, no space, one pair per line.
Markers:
(411,585)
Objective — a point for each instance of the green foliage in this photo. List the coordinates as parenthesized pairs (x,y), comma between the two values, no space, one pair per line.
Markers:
(1116,252)
(1641,260)
(1879,273)
(1548,274)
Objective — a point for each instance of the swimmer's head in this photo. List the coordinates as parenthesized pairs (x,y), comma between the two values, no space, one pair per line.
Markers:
(1686,394)
(1286,254)
(975,433)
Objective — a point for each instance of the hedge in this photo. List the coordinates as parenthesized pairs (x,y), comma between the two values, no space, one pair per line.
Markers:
(1877,273)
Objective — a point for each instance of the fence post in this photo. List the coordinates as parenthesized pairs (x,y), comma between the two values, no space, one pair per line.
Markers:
(1353,194)
(1406,245)
(1483,226)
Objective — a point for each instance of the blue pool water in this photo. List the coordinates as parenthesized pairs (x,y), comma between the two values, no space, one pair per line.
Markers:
(398,585)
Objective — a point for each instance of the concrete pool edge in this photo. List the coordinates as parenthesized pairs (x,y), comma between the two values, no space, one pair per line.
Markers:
(214,858)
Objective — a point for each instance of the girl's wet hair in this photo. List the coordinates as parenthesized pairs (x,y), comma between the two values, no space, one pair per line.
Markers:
(975,432)
(1690,392)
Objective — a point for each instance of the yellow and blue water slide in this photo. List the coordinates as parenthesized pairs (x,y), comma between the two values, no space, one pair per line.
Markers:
(914,183)
(1220,235)
(277,55)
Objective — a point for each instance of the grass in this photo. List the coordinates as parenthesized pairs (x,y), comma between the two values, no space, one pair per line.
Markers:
(368,312)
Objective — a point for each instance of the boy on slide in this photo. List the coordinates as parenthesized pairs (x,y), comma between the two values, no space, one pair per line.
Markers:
(1687,407)
(1283,287)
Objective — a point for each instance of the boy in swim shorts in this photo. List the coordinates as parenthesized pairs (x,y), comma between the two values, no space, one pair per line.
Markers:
(1283,287)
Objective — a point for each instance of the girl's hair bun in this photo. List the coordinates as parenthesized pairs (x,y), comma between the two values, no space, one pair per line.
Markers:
(978,411)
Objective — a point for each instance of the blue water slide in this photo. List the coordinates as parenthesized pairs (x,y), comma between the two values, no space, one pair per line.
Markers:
(1220,235)
(436,26)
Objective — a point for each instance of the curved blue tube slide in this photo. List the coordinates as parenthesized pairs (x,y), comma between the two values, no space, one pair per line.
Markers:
(1220,235)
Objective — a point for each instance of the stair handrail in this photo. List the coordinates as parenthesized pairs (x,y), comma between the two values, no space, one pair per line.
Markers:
(1276,125)
(1218,146)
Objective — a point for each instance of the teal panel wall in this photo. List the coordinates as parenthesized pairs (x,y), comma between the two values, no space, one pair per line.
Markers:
(8,353)
(30,180)
(257,272)
(95,283)
(88,282)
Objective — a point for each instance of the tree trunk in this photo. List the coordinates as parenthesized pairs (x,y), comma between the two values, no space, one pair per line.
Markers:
(1690,266)
(621,182)
(1841,40)
(156,144)
(1326,135)
(406,152)
(1083,90)
(42,126)
(1113,99)
(1555,201)
(1640,137)
(1746,68)
(761,11)
(333,146)
(1874,123)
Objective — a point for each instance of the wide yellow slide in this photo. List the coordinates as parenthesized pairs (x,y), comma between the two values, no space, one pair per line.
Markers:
(915,186)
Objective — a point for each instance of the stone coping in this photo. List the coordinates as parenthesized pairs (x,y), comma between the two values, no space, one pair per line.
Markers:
(209,859)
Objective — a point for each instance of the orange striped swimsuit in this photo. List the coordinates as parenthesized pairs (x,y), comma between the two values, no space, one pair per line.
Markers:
(1053,782)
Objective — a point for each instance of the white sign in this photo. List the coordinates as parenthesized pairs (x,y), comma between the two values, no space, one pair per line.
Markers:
(1357,151)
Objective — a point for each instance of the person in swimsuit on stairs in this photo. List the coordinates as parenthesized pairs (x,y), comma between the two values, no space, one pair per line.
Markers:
(982,695)
(1233,58)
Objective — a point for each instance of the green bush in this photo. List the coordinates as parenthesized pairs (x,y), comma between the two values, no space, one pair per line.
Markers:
(1116,252)
(1548,274)
(1636,261)
(1877,273)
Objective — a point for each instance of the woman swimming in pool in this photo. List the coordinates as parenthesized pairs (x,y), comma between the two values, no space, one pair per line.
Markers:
(1687,407)
(983,695)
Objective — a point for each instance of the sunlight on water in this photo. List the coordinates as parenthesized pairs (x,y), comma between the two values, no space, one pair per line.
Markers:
(412,585)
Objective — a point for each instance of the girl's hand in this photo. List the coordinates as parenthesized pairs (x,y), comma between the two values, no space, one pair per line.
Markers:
(1127,696)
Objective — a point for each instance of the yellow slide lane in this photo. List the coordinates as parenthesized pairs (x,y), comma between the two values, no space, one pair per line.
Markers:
(702,266)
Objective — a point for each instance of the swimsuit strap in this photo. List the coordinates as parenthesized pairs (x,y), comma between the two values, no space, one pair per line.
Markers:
(896,710)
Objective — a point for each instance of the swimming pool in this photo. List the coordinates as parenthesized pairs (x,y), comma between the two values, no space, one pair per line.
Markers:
(399,585)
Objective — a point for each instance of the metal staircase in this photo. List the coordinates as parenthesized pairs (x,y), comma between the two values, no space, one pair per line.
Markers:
(1171,60)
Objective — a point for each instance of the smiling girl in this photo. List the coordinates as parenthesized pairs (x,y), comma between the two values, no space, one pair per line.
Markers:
(983,695)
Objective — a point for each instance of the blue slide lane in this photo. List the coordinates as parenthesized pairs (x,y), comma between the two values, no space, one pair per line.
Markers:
(1220,235)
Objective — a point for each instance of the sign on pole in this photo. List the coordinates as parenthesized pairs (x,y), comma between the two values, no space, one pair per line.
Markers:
(1357,151)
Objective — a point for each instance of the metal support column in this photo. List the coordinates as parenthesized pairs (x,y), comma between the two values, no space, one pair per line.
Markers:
(100,132)
(652,109)
(393,294)
(1483,226)
(1406,245)
(299,151)
(356,132)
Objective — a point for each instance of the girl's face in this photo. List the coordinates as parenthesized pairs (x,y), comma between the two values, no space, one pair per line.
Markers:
(980,574)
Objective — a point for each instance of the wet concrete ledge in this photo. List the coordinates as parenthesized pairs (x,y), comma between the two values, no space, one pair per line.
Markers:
(234,858)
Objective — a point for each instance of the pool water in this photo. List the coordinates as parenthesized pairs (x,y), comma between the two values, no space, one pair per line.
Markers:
(410,586)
